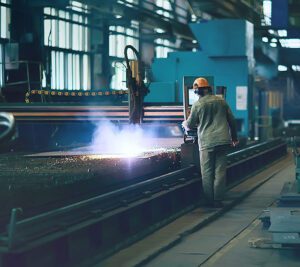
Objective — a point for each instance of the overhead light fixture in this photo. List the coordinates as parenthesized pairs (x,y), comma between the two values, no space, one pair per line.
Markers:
(271,31)
(194,17)
(118,16)
(295,67)
(282,33)
(282,68)
(265,39)
(273,44)
(159,30)
(290,43)
(274,40)
(194,41)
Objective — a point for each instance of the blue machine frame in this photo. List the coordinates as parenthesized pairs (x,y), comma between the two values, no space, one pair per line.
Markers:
(225,53)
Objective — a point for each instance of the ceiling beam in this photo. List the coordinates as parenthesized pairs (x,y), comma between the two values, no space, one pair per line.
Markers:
(147,17)
(227,9)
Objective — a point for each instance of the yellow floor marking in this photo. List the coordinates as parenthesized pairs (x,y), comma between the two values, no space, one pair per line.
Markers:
(233,242)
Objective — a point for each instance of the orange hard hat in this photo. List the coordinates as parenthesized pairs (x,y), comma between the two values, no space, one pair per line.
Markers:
(200,82)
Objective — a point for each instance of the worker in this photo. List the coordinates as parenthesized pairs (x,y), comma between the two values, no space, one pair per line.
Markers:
(216,130)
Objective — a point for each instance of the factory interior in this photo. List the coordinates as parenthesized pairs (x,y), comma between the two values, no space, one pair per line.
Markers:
(100,163)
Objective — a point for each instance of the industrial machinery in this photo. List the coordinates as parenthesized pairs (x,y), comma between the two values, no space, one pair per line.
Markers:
(283,220)
(225,53)
(137,90)
(54,123)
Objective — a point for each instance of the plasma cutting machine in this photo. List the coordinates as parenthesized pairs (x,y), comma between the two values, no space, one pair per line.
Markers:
(137,90)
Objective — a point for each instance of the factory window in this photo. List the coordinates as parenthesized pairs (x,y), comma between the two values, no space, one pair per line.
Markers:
(164,8)
(65,69)
(64,29)
(67,37)
(290,43)
(267,13)
(181,11)
(4,33)
(119,37)
(128,2)
(118,80)
(163,47)
(5,18)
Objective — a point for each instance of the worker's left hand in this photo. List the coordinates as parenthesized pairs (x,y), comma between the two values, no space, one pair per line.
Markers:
(185,126)
(235,143)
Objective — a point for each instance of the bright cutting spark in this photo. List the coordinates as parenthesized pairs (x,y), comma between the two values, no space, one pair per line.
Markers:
(145,154)
(131,141)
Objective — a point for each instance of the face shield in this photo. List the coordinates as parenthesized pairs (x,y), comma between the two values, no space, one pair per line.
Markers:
(201,91)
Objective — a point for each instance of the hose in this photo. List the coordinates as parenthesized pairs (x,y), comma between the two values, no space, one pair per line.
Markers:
(7,126)
(126,55)
(132,85)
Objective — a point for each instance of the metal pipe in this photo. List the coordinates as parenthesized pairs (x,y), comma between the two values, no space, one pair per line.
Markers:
(12,226)
(7,121)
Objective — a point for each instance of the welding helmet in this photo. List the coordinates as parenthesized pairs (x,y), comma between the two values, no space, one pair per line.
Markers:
(201,86)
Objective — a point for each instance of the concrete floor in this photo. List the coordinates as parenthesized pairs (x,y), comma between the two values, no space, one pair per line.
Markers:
(223,242)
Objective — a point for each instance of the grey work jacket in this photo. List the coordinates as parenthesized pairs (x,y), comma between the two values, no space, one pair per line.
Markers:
(214,120)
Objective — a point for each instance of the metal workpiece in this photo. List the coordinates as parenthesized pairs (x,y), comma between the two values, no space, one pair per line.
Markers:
(283,218)
(289,196)
(290,193)
(285,225)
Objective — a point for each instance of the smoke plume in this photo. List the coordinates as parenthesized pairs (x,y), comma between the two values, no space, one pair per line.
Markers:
(130,140)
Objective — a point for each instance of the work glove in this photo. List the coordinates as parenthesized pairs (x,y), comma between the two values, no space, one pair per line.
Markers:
(185,126)
(234,143)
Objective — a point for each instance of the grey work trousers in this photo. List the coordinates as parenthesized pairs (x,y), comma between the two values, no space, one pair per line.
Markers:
(213,163)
